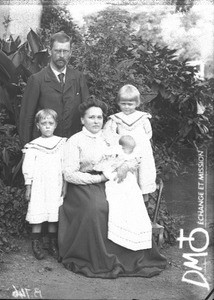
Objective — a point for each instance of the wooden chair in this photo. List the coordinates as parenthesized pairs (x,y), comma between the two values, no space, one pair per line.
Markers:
(158,229)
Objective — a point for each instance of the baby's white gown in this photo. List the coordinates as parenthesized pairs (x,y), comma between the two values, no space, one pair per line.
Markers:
(129,224)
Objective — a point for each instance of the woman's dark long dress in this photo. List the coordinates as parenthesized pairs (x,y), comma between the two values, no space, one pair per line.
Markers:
(83,222)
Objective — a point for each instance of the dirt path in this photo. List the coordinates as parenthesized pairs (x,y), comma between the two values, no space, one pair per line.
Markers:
(48,279)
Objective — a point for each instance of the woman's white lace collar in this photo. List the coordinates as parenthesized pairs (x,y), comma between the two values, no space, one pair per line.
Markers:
(90,134)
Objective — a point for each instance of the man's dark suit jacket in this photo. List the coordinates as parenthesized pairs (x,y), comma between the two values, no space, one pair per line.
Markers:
(43,90)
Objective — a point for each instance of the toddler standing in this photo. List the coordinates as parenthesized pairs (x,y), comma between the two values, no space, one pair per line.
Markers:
(45,187)
(135,123)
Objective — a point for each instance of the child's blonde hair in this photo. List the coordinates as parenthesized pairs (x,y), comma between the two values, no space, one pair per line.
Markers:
(43,113)
(130,93)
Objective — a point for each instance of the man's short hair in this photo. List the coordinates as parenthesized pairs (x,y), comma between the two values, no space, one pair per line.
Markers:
(60,37)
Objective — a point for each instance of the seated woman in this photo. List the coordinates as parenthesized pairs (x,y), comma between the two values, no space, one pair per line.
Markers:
(83,222)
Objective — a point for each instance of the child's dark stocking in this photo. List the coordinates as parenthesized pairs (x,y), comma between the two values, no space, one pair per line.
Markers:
(37,246)
(53,245)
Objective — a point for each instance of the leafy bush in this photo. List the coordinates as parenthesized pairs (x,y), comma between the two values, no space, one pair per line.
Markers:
(13,208)
(186,34)
(57,18)
(10,159)
(10,151)
(110,55)
(171,224)
(12,202)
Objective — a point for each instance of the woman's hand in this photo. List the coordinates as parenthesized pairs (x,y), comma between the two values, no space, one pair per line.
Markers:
(28,192)
(103,178)
(64,189)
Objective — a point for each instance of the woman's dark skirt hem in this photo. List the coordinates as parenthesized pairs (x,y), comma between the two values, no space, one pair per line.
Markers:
(83,243)
(116,272)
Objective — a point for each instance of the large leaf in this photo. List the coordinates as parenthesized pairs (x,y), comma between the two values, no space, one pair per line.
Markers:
(34,42)
(24,72)
(7,69)
(19,56)
(5,99)
(4,75)
(16,169)
(10,46)
(5,156)
(148,97)
(41,58)
(17,41)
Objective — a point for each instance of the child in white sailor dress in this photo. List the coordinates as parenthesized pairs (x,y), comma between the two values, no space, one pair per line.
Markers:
(45,187)
(135,123)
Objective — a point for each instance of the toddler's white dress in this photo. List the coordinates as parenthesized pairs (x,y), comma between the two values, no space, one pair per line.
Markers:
(42,168)
(138,126)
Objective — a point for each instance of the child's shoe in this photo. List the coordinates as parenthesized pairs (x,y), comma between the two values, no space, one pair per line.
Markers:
(53,245)
(37,249)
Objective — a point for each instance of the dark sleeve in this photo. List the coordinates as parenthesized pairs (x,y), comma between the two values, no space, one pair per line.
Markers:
(83,88)
(28,109)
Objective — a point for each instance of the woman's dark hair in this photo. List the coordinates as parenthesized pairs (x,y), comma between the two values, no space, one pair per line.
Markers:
(92,102)
(60,37)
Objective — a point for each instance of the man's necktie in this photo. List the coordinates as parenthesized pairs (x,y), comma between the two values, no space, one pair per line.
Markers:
(61,76)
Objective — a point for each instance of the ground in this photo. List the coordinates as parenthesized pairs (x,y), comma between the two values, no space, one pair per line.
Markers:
(48,279)
(22,276)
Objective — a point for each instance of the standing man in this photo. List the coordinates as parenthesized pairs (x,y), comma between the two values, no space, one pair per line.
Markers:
(57,86)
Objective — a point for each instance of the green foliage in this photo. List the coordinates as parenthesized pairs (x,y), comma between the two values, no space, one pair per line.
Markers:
(15,69)
(13,205)
(113,56)
(10,152)
(184,5)
(171,224)
(9,157)
(13,208)
(10,45)
(110,55)
(186,32)
(57,18)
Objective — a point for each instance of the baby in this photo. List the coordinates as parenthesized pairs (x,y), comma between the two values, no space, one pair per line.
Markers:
(128,224)
(116,157)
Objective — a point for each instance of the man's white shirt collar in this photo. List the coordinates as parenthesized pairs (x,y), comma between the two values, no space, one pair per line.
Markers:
(57,72)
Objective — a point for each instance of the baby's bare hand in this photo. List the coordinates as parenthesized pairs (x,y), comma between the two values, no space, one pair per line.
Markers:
(121,173)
